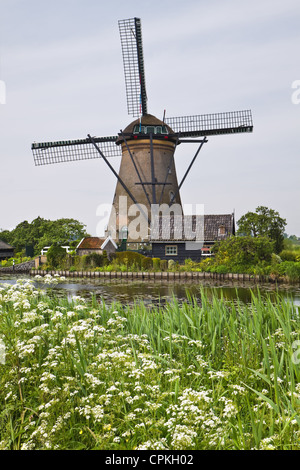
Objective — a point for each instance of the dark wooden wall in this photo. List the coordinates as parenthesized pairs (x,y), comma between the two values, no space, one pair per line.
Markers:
(158,251)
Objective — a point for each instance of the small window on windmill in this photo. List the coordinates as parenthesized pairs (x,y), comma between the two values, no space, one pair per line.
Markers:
(150,130)
(222,230)
(139,129)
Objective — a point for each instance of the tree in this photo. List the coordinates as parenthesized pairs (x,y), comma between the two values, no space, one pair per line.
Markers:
(41,232)
(55,255)
(4,235)
(263,222)
(243,251)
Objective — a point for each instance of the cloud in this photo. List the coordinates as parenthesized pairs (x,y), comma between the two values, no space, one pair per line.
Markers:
(62,66)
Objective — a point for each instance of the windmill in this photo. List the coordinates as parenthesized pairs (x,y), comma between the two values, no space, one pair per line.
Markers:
(147,174)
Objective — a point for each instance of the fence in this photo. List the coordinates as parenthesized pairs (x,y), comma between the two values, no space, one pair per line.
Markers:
(161,275)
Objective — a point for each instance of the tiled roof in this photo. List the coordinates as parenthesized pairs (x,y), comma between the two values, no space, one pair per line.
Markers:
(213,224)
(91,243)
(5,246)
(192,227)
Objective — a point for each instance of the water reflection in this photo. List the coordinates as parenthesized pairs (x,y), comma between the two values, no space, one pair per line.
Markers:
(157,292)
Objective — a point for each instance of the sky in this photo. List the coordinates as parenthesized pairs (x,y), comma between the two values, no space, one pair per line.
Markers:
(61,78)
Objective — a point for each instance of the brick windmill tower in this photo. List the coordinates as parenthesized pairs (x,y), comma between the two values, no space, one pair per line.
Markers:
(147,174)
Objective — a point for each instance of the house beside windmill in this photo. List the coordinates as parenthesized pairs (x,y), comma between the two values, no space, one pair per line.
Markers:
(97,245)
(179,238)
(6,250)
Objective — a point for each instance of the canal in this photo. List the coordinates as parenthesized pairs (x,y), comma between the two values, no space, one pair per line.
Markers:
(156,292)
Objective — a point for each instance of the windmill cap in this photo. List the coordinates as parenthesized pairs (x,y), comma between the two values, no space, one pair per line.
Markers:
(146,120)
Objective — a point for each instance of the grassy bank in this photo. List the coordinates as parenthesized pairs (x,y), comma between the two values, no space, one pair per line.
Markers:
(285,269)
(85,375)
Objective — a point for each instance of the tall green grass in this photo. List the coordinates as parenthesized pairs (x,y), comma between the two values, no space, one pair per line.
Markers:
(205,374)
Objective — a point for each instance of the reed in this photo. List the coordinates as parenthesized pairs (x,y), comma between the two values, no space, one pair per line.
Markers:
(205,374)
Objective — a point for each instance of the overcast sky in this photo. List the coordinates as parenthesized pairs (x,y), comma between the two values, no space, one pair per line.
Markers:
(61,64)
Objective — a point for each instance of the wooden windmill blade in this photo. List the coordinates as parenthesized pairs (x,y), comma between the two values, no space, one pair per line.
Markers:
(133,61)
(46,153)
(147,172)
(212,124)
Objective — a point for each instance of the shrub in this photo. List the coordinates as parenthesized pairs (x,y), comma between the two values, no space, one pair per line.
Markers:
(288,255)
(93,260)
(206,265)
(128,258)
(276,259)
(105,259)
(221,269)
(263,269)
(146,263)
(77,262)
(190,265)
(163,265)
(247,251)
(56,256)
(171,264)
(156,264)
(289,269)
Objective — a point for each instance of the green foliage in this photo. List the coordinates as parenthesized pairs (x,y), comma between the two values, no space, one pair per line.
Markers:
(290,269)
(275,259)
(128,258)
(56,256)
(289,255)
(93,260)
(243,252)
(171,264)
(156,264)
(104,258)
(146,263)
(41,232)
(163,265)
(291,242)
(209,375)
(206,265)
(5,236)
(263,222)
(190,265)
(18,258)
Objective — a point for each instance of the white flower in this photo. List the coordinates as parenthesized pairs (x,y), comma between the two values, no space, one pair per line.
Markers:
(183,437)
(154,445)
(217,374)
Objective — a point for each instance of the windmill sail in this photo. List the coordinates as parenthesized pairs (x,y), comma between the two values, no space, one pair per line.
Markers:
(46,153)
(147,172)
(133,61)
(212,124)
